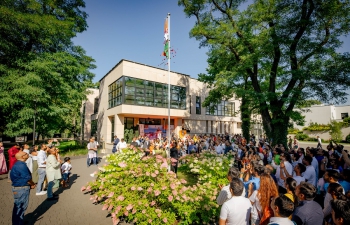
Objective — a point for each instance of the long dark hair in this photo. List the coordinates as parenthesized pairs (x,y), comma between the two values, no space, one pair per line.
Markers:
(291,185)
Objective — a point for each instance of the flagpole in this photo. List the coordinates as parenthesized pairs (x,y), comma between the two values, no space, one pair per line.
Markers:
(169,135)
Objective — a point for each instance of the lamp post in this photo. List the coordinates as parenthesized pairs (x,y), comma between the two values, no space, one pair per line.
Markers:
(34,122)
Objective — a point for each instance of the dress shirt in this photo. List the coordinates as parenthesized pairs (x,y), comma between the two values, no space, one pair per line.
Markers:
(20,174)
(41,158)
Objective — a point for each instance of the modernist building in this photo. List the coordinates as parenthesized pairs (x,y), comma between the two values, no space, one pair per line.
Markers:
(135,96)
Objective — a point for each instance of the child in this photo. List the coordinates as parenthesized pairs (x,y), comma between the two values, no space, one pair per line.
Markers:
(66,168)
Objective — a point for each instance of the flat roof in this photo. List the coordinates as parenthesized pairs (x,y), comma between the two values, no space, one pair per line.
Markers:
(139,64)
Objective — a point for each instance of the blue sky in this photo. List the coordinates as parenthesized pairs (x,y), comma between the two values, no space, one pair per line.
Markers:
(133,30)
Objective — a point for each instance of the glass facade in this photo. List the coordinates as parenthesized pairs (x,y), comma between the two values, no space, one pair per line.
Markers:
(224,108)
(115,93)
(143,92)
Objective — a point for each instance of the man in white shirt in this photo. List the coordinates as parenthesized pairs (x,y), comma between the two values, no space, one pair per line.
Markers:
(319,142)
(330,176)
(121,145)
(225,193)
(29,161)
(288,166)
(310,173)
(236,211)
(312,152)
(41,159)
(282,208)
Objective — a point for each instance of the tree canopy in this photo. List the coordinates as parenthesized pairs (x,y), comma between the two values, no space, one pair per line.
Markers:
(285,51)
(42,73)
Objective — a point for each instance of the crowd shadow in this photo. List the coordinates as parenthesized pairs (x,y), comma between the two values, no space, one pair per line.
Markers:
(37,214)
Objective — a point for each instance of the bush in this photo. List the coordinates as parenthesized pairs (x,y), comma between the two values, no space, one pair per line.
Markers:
(301,136)
(347,139)
(140,189)
(335,132)
(293,131)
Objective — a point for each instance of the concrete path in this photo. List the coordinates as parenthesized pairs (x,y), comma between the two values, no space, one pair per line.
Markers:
(73,207)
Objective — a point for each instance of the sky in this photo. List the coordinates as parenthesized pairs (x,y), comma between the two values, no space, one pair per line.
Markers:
(133,30)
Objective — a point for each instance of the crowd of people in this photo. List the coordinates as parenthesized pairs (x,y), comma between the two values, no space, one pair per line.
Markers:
(33,168)
(270,184)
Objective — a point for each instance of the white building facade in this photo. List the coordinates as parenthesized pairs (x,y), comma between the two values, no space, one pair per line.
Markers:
(135,96)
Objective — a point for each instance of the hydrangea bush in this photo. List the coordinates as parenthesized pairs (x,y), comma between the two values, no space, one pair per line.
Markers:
(140,189)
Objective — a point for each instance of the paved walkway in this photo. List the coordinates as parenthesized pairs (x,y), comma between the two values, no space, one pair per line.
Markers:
(73,207)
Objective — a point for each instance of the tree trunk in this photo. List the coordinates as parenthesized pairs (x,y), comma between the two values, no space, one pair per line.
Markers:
(280,131)
(245,117)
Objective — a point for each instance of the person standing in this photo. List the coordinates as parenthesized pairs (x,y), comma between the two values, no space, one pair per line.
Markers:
(12,157)
(282,208)
(34,154)
(92,149)
(121,145)
(3,167)
(53,172)
(319,142)
(41,159)
(174,157)
(21,185)
(29,161)
(236,211)
(115,143)
(308,212)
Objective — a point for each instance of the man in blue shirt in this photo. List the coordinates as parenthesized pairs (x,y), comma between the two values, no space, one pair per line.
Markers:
(21,185)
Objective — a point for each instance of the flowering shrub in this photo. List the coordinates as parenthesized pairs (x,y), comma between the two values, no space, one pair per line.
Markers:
(140,189)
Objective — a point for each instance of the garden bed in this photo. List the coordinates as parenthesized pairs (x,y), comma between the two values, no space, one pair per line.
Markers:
(141,190)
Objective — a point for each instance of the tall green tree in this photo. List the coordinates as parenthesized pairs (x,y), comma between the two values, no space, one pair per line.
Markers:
(43,75)
(288,49)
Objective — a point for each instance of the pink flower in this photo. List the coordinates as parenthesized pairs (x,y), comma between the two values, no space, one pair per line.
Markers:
(92,198)
(119,208)
(183,181)
(174,192)
(164,165)
(153,203)
(110,208)
(115,221)
(147,173)
(150,221)
(153,175)
(120,198)
(133,188)
(139,188)
(88,188)
(133,211)
(159,157)
(122,164)
(172,186)
(110,195)
(156,192)
(173,160)
(159,215)
(170,198)
(126,213)
(113,215)
(104,207)
(149,190)
(163,188)
(165,220)
(144,211)
(157,210)
(152,184)
(83,188)
(156,172)
(129,207)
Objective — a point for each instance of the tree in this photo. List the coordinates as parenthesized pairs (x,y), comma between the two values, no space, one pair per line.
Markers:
(288,50)
(43,75)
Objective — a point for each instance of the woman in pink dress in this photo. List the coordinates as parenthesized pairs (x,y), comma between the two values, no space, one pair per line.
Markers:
(3,167)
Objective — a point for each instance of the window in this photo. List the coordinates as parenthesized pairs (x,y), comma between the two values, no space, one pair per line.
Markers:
(115,93)
(198,105)
(190,104)
(112,130)
(96,105)
(93,127)
(223,108)
(206,126)
(211,126)
(239,125)
(344,115)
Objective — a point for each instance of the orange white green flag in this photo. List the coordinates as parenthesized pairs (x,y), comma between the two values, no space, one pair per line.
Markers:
(166,39)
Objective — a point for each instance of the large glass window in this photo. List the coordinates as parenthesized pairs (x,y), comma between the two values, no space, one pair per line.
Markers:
(224,108)
(148,93)
(115,93)
(93,128)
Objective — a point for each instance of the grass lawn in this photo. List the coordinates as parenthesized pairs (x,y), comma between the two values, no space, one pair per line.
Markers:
(72,148)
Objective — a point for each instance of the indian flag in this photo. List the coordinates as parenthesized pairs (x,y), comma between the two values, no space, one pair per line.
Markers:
(166,39)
